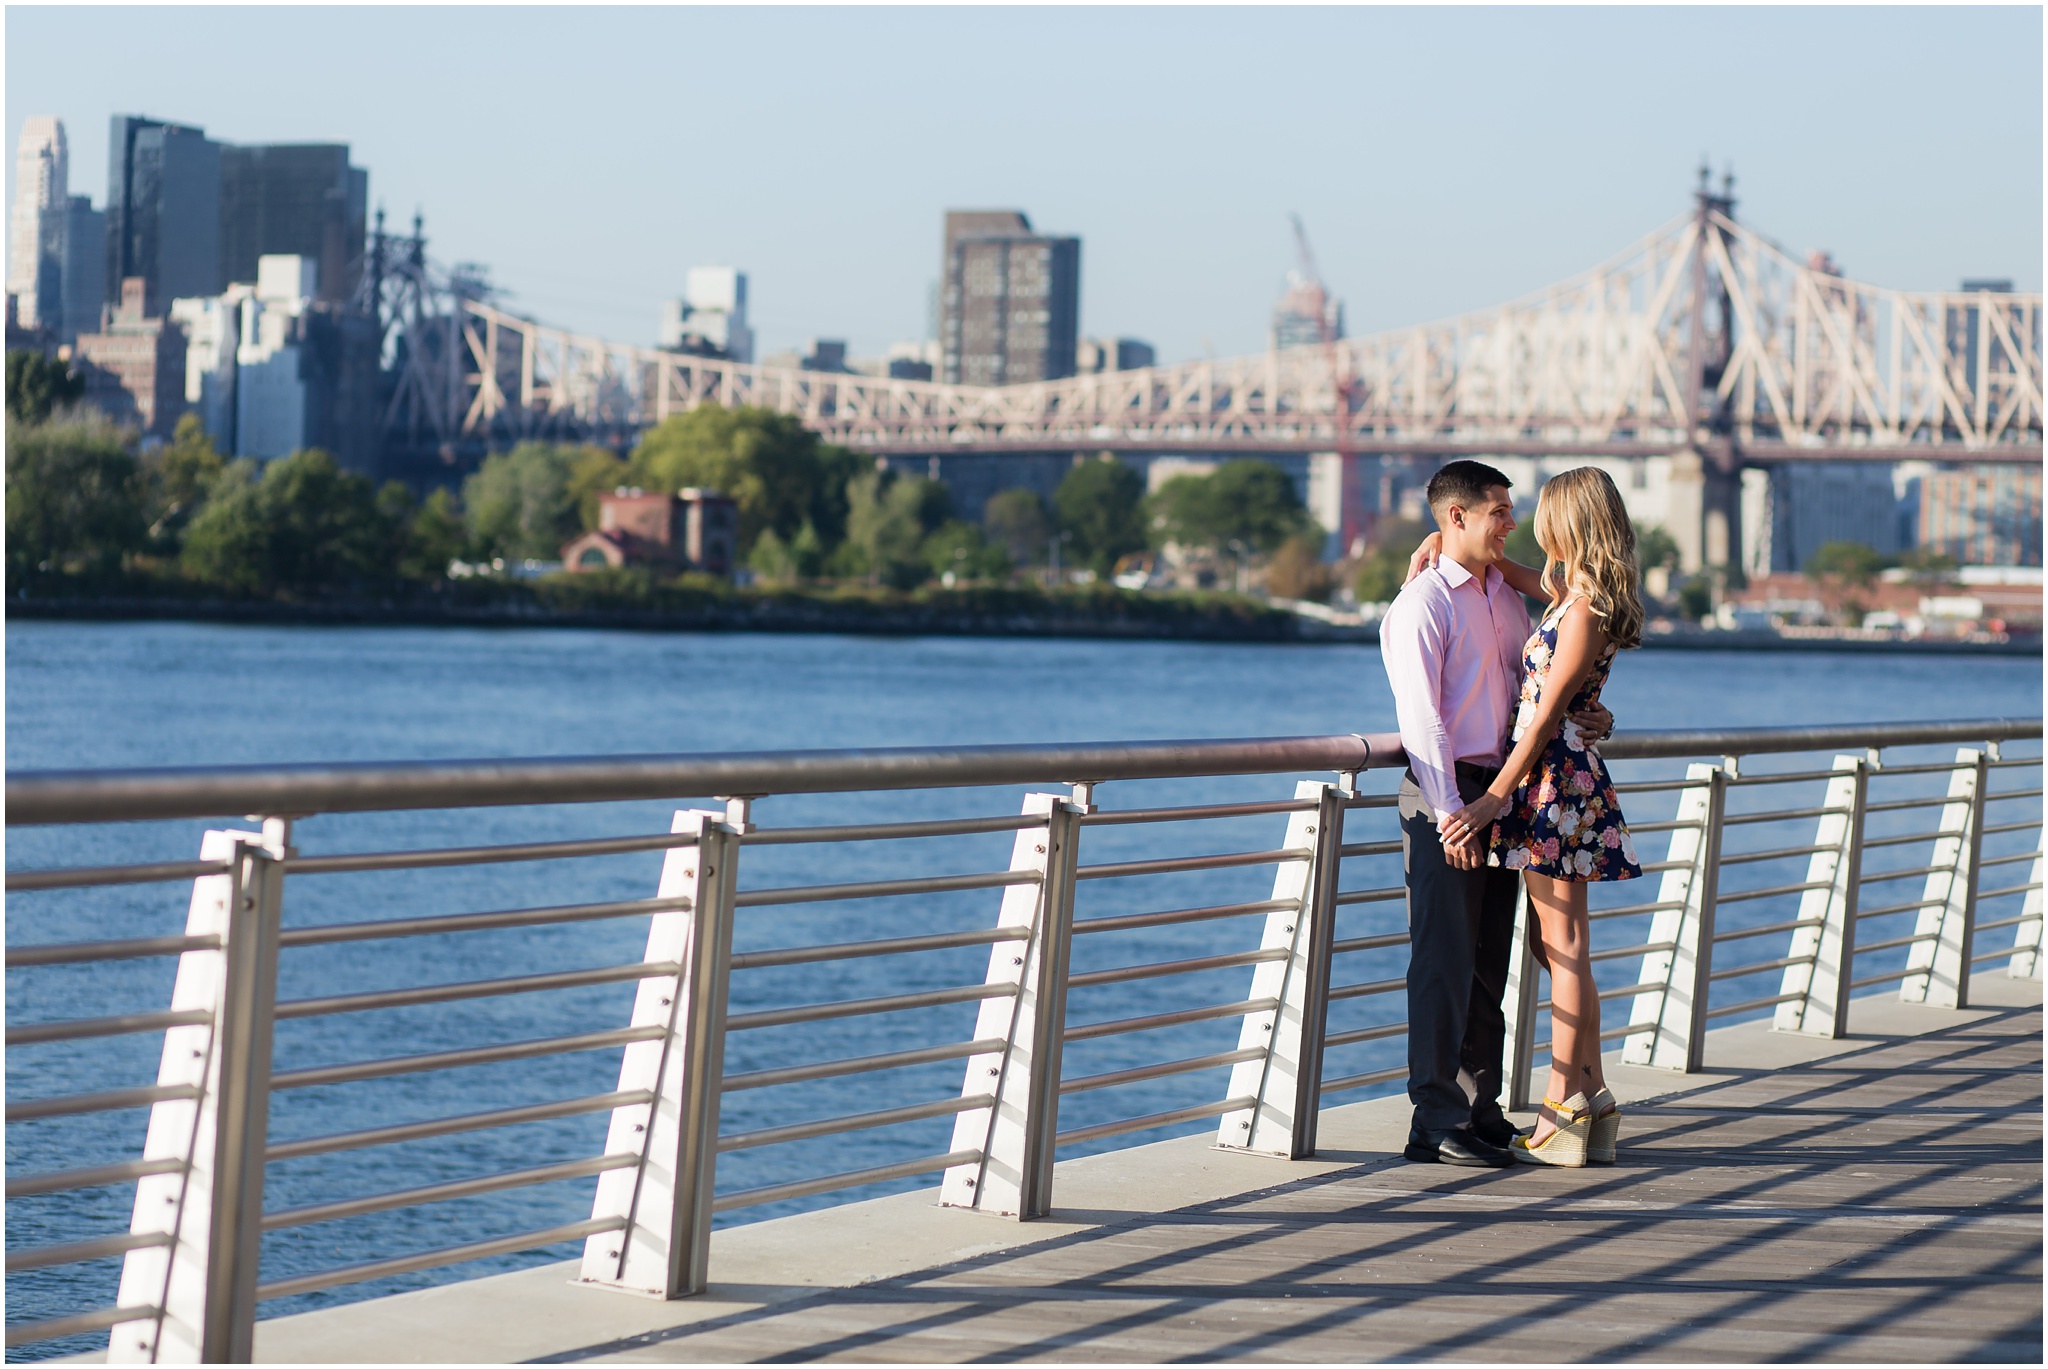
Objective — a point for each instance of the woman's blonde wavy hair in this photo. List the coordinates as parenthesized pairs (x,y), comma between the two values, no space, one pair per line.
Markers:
(1589,547)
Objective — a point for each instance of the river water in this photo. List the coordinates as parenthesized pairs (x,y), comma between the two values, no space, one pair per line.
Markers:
(103,695)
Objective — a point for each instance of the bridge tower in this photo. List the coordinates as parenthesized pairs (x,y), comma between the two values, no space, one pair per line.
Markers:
(1706,474)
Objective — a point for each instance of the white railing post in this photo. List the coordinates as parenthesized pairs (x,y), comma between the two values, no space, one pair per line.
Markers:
(1518,1004)
(1947,924)
(665,1200)
(1822,982)
(1016,1135)
(1672,1016)
(2026,937)
(1287,1079)
(204,1281)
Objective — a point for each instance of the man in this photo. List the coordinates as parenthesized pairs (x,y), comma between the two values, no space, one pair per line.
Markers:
(1452,643)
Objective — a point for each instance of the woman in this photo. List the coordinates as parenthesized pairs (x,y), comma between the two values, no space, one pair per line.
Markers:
(1552,812)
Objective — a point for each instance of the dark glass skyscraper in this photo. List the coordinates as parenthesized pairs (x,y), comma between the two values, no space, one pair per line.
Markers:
(301,199)
(163,211)
(1010,306)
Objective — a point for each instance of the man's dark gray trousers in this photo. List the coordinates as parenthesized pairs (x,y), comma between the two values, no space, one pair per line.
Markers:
(1461,926)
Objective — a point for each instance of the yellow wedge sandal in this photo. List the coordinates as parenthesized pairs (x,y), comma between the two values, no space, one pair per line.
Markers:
(1606,1129)
(1564,1148)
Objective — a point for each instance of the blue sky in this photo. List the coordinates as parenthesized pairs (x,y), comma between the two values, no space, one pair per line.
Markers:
(1444,158)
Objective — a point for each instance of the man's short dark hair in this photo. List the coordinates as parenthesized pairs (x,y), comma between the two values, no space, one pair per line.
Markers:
(1463,483)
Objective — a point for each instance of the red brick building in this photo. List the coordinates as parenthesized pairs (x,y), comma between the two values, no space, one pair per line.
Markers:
(134,367)
(691,530)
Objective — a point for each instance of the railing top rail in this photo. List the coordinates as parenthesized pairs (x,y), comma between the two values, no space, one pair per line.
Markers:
(81,796)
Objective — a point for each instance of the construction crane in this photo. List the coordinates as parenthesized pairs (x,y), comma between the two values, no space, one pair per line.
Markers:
(1307,295)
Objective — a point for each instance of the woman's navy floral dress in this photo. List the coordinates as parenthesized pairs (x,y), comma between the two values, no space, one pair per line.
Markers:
(1564,821)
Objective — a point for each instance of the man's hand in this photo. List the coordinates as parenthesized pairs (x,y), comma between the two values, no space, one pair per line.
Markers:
(1463,855)
(1595,724)
(1425,555)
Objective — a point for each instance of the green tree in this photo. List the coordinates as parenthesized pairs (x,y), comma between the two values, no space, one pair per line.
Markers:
(888,518)
(1384,567)
(800,558)
(1522,545)
(592,472)
(302,527)
(38,385)
(1930,565)
(1298,571)
(961,548)
(74,498)
(1249,502)
(227,543)
(1100,506)
(520,504)
(1017,521)
(1656,547)
(775,469)
(176,478)
(1852,562)
(435,535)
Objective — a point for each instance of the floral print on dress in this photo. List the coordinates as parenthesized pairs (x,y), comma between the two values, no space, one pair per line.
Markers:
(1564,821)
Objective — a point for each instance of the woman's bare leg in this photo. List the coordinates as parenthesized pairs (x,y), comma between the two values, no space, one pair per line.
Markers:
(1566,950)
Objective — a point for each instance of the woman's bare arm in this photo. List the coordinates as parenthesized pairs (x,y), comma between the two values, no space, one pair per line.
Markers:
(1523,579)
(1580,641)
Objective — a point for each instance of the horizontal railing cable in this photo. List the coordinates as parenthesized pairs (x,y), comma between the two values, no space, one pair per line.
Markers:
(445,1192)
(459,1059)
(475,988)
(861,1007)
(859,1121)
(858,1178)
(882,888)
(449,1126)
(865,1064)
(387,929)
(1153,1021)
(435,1259)
(89,952)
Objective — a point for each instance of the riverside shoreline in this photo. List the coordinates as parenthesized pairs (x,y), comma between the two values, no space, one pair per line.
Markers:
(867,618)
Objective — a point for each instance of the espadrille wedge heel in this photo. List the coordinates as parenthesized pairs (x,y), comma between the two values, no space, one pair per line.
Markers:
(1564,1148)
(1606,1129)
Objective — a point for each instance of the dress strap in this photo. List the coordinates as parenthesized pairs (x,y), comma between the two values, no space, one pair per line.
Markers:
(1557,610)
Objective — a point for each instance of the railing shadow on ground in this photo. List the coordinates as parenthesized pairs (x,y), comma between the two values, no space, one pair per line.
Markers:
(664,1115)
(1775,1180)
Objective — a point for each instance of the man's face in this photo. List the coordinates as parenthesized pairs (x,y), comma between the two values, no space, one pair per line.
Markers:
(1482,531)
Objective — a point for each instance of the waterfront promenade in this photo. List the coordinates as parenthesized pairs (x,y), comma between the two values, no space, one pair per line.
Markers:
(1876,1198)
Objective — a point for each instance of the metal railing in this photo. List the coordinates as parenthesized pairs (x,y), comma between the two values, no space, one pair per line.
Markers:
(1324,976)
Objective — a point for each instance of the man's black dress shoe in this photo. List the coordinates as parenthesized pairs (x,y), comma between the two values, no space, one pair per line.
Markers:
(1496,1131)
(1455,1146)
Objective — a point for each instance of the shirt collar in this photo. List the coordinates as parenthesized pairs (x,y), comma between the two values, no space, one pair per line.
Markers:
(1455,574)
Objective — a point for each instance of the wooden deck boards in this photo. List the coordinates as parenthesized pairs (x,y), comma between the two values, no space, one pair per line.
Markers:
(1881,1204)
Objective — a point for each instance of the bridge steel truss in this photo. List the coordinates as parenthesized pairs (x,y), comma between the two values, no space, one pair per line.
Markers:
(1703,335)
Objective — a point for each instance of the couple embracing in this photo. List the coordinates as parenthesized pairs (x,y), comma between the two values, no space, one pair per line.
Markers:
(1505,787)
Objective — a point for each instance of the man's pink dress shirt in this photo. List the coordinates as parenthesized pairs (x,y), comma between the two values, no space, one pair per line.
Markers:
(1452,644)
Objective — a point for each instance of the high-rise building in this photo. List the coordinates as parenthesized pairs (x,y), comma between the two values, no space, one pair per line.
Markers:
(84,286)
(1807,505)
(1097,355)
(163,212)
(1983,515)
(1307,314)
(35,245)
(213,335)
(293,199)
(1010,302)
(134,366)
(711,317)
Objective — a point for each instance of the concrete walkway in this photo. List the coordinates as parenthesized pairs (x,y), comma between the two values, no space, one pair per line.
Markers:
(1877,1198)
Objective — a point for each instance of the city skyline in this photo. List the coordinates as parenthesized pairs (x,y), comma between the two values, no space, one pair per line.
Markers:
(1175,143)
